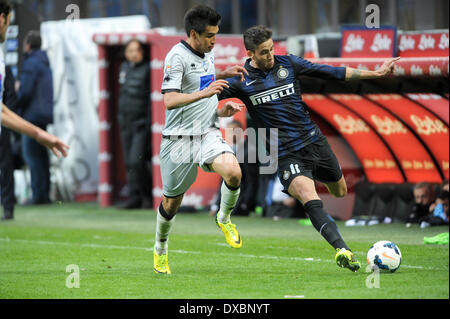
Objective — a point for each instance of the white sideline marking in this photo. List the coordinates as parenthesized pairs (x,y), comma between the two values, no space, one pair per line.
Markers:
(42,242)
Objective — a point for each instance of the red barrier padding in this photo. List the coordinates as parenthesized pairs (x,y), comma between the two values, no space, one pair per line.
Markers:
(429,128)
(434,103)
(378,163)
(414,159)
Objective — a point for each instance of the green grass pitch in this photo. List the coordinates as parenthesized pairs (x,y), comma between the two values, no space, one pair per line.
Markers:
(112,249)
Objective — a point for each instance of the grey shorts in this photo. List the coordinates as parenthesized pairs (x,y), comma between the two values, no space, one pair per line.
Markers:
(180,156)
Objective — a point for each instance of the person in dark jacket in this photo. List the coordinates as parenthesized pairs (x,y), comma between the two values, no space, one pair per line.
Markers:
(6,160)
(35,103)
(134,121)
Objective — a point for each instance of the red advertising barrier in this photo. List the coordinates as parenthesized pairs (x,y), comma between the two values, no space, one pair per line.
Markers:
(377,161)
(434,103)
(429,128)
(414,159)
(423,45)
(360,42)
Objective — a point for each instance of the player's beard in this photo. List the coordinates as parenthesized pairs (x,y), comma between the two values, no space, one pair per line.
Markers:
(263,64)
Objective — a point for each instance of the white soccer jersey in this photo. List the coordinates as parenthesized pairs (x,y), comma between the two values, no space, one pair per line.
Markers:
(2,81)
(188,71)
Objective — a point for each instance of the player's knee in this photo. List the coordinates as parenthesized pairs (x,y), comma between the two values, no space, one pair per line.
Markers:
(303,194)
(233,177)
(171,206)
(340,192)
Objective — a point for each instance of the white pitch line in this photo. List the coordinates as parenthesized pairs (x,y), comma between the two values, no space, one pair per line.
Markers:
(89,245)
(42,242)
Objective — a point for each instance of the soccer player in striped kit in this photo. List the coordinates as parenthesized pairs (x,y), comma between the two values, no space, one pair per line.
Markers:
(272,94)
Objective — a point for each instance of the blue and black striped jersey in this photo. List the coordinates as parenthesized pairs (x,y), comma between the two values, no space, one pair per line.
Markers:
(273,99)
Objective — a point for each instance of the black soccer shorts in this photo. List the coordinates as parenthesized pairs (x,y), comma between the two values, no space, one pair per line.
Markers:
(316,161)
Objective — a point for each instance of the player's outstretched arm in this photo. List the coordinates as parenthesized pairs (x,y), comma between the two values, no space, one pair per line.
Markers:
(229,109)
(232,72)
(386,69)
(174,100)
(14,122)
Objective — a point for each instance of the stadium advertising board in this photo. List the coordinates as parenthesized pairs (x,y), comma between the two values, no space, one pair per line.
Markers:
(423,45)
(362,42)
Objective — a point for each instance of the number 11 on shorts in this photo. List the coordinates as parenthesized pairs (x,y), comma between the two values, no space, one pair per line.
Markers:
(294,169)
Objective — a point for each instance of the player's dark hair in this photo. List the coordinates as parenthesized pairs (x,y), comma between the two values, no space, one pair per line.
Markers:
(199,17)
(33,38)
(256,35)
(5,7)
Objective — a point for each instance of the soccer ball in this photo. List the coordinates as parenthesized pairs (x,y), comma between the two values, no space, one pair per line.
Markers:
(384,256)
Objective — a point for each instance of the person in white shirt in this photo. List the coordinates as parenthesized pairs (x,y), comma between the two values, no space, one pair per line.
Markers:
(191,135)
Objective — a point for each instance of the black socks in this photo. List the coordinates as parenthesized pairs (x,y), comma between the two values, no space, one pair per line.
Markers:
(324,224)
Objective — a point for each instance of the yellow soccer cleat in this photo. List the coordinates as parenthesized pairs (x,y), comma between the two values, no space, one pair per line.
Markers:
(231,234)
(346,259)
(161,263)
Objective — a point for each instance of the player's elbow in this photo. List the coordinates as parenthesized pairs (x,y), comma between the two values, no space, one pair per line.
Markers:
(169,102)
(169,106)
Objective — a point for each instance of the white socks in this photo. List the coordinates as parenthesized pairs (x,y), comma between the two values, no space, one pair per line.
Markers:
(163,227)
(227,202)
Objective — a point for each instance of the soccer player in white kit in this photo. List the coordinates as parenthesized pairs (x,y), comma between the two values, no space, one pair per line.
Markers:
(8,118)
(191,135)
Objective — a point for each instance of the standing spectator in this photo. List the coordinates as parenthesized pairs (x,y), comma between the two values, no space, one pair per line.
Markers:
(134,121)
(423,198)
(6,160)
(35,103)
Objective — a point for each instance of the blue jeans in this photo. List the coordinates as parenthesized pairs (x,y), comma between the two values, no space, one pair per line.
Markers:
(37,159)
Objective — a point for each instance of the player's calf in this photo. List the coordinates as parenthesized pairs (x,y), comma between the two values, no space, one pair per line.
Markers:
(337,189)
